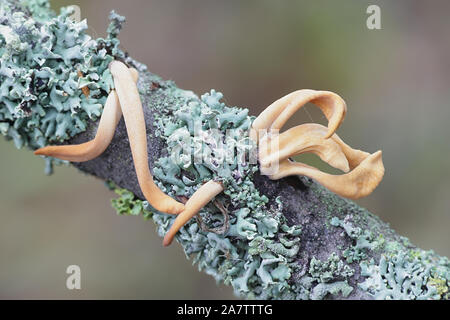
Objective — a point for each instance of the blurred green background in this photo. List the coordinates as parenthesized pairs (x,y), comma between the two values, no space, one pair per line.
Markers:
(395,82)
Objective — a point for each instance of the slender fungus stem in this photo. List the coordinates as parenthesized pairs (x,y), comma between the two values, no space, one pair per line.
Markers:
(358,183)
(95,147)
(133,114)
(105,133)
(124,100)
(305,138)
(198,200)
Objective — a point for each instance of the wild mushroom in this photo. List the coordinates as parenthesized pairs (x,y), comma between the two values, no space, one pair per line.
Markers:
(199,199)
(367,170)
(276,115)
(304,138)
(131,107)
(358,183)
(105,133)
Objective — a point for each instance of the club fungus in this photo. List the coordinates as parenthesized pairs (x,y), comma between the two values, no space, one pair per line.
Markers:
(304,138)
(367,169)
(124,100)
(105,133)
(276,115)
(198,200)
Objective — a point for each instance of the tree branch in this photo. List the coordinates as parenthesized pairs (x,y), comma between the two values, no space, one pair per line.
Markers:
(288,239)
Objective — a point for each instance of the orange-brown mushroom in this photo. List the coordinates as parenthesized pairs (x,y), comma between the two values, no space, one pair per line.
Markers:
(133,114)
(124,100)
(276,115)
(111,115)
(305,138)
(359,182)
(199,199)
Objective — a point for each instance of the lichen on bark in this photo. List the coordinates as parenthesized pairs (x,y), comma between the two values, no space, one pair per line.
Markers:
(287,239)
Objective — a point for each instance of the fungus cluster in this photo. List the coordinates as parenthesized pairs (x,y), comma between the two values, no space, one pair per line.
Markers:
(275,149)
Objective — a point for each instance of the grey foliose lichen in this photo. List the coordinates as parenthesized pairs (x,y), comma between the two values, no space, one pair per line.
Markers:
(403,272)
(41,58)
(398,278)
(326,277)
(365,240)
(329,269)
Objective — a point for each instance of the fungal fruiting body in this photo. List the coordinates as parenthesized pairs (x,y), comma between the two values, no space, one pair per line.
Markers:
(304,138)
(367,170)
(275,116)
(134,120)
(198,200)
(123,100)
(105,133)
(358,183)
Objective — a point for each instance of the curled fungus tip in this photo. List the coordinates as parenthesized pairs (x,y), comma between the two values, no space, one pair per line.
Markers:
(199,199)
(305,138)
(363,171)
(358,183)
(276,115)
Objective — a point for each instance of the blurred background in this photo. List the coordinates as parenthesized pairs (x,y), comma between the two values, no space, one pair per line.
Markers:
(395,81)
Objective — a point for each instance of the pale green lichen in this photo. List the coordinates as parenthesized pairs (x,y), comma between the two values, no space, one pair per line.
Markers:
(441,286)
(40,9)
(41,101)
(321,290)
(402,272)
(365,240)
(330,269)
(401,278)
(326,277)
